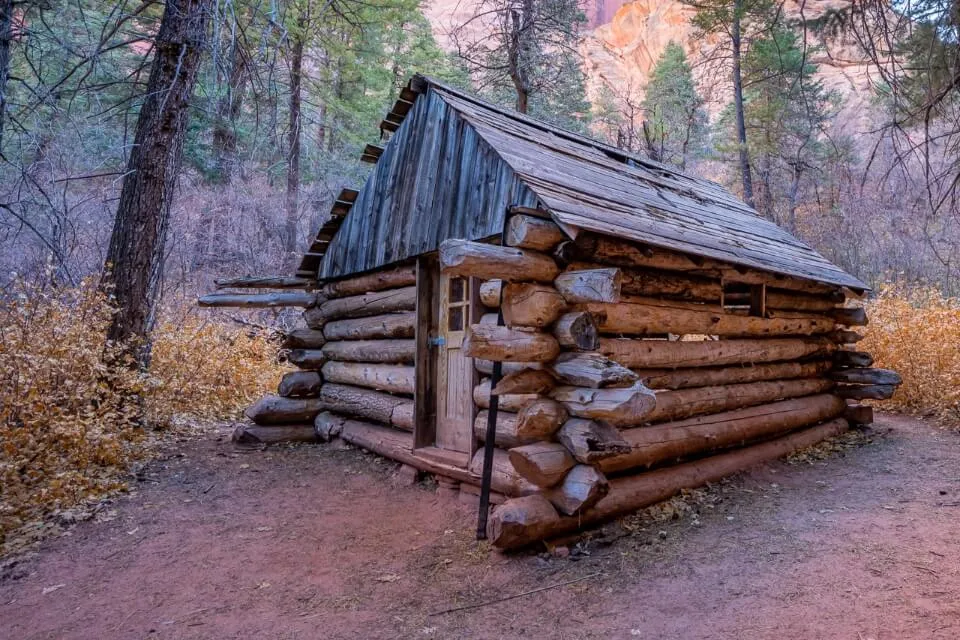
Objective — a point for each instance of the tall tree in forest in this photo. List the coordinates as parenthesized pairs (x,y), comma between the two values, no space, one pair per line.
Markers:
(529,48)
(737,22)
(297,39)
(134,263)
(675,119)
(6,37)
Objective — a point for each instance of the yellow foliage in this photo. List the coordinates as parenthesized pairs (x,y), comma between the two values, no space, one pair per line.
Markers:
(70,425)
(917,334)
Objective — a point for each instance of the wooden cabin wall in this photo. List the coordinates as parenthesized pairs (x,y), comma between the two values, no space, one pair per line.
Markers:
(356,364)
(632,373)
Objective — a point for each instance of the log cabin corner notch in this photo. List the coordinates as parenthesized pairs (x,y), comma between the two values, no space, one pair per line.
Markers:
(657,334)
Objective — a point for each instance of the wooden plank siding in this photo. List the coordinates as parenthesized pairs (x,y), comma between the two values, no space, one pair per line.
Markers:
(435,179)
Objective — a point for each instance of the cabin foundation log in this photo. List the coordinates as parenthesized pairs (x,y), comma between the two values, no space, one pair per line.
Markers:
(673,441)
(299,384)
(542,463)
(505,478)
(253,434)
(487,261)
(271,410)
(328,425)
(867,376)
(369,404)
(385,351)
(684,403)
(307,358)
(635,353)
(517,523)
(383,377)
(590,442)
(582,487)
(859,414)
(845,358)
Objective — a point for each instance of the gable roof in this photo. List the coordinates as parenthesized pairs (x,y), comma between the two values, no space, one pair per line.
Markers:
(590,186)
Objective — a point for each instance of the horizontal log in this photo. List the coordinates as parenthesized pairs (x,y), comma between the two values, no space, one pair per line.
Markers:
(866,392)
(591,369)
(653,316)
(843,336)
(525,381)
(390,325)
(511,431)
(252,434)
(266,282)
(307,358)
(867,376)
(259,300)
(403,276)
(542,463)
(490,293)
(621,253)
(662,284)
(272,409)
(394,378)
(328,425)
(518,523)
(398,446)
(367,304)
(621,407)
(845,358)
(673,441)
(304,339)
(582,487)
(850,316)
(541,418)
(491,342)
(528,232)
(388,351)
(466,258)
(711,376)
(299,384)
(589,441)
(794,301)
(577,330)
(859,414)
(684,403)
(366,403)
(666,353)
(504,478)
(589,285)
(527,304)
(512,402)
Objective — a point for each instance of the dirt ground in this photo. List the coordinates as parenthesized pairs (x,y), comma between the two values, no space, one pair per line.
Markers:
(320,542)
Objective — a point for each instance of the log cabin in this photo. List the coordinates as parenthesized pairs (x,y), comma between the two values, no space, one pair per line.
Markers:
(565,329)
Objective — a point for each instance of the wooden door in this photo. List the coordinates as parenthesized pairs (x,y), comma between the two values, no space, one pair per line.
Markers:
(456,375)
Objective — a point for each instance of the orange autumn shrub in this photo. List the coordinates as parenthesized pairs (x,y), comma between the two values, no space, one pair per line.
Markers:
(70,426)
(916,332)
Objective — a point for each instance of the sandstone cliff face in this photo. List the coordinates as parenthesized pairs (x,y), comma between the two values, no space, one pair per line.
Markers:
(627,38)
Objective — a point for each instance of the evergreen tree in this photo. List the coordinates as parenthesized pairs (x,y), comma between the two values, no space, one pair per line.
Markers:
(675,121)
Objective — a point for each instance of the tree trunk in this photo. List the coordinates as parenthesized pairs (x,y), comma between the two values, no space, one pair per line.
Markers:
(293,141)
(738,104)
(228,110)
(134,264)
(6,37)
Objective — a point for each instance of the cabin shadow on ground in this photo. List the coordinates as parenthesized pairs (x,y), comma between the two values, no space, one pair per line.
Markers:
(316,542)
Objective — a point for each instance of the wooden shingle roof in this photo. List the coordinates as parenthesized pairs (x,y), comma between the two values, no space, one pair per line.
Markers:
(587,185)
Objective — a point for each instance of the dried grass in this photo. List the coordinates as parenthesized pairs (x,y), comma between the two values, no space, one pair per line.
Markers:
(916,332)
(70,426)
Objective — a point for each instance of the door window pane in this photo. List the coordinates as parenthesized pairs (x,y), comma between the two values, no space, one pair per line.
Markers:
(455,319)
(457,289)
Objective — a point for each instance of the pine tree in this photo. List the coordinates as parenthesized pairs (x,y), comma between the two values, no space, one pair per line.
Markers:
(675,120)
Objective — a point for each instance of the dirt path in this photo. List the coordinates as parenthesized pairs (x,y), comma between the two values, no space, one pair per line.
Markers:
(321,543)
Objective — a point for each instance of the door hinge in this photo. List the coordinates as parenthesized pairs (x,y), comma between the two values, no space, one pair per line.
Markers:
(437,341)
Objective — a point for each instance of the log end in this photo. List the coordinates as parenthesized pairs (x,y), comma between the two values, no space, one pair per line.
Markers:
(521,521)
